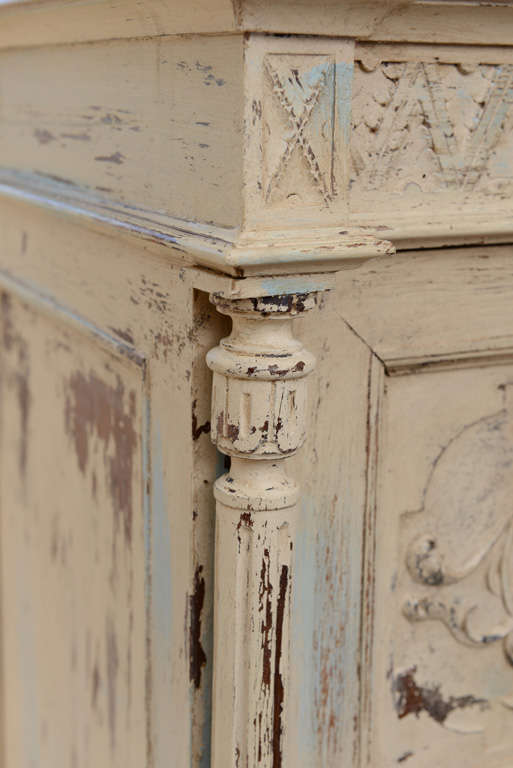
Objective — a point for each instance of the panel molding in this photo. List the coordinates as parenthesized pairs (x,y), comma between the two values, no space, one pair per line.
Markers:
(431,310)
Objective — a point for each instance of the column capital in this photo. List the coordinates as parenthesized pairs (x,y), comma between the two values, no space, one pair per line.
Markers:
(259,387)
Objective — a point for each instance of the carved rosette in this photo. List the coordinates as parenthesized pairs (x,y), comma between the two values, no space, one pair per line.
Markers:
(258,418)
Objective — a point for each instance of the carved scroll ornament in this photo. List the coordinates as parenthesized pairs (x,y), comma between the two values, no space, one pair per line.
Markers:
(468,513)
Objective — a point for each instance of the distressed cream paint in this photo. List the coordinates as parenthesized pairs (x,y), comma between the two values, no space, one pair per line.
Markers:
(256,384)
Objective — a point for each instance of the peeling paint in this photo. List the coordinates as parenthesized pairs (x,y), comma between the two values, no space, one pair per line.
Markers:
(197,656)
(93,407)
(43,136)
(20,377)
(278,692)
(116,158)
(202,428)
(126,334)
(265,591)
(412,698)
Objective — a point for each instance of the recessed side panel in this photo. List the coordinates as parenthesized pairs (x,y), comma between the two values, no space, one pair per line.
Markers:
(72,546)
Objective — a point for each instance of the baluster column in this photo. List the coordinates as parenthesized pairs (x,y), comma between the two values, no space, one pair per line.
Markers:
(258,418)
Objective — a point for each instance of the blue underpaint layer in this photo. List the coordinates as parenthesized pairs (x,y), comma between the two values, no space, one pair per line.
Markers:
(161,549)
(345,72)
(277,287)
(302,629)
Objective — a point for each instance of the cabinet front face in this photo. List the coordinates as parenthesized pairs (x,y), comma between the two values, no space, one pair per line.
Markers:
(405,614)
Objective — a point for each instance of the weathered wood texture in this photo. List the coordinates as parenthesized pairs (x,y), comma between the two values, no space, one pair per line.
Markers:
(455,306)
(254,145)
(107,525)
(430,534)
(162,132)
(73,565)
(344,707)
(258,419)
(326,658)
(261,154)
(441,673)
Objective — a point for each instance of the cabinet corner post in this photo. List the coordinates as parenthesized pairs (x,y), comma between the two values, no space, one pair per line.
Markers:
(258,419)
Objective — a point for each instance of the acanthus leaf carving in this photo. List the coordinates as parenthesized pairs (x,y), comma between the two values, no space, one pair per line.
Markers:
(428,125)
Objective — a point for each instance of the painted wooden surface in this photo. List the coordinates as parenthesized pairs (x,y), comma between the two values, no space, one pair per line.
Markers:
(420,465)
(131,137)
(73,565)
(36,22)
(442,606)
(355,611)
(262,154)
(90,347)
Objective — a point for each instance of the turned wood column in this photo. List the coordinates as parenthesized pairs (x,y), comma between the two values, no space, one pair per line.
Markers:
(258,418)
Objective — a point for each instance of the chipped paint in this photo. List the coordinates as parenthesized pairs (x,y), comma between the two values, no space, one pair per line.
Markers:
(412,698)
(200,429)
(96,408)
(126,334)
(197,657)
(116,158)
(265,591)
(257,412)
(43,136)
(19,378)
(278,686)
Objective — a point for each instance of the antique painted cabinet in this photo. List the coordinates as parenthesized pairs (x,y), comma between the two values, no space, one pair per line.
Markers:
(256,384)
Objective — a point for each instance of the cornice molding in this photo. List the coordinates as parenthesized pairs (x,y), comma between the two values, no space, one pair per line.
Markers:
(241,254)
(45,22)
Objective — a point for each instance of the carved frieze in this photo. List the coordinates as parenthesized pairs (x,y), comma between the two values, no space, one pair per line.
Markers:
(378,137)
(299,108)
(421,129)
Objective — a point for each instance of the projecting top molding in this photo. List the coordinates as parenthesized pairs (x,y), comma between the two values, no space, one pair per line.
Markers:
(39,22)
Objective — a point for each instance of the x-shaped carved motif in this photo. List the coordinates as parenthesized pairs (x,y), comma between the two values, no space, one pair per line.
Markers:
(298,137)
